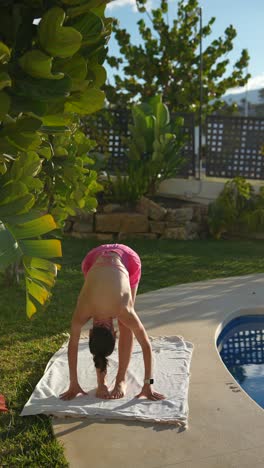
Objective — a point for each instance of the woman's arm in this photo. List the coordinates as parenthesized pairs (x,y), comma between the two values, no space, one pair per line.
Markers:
(131,320)
(79,319)
(74,387)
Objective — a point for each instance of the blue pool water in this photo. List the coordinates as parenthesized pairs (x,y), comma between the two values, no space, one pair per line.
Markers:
(241,347)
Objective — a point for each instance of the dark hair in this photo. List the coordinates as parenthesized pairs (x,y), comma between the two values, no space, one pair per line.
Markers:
(101,344)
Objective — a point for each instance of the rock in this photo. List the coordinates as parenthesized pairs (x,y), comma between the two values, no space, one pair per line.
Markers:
(157,227)
(151,209)
(179,216)
(112,208)
(134,222)
(139,235)
(82,215)
(192,228)
(104,237)
(82,227)
(121,222)
(108,222)
(82,235)
(177,233)
(197,216)
(93,236)
(204,213)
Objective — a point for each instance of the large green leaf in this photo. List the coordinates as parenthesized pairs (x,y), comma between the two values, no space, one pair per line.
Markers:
(21,218)
(5,80)
(4,53)
(99,11)
(86,103)
(98,75)
(28,105)
(21,125)
(45,152)
(75,68)
(74,2)
(40,273)
(40,264)
(39,65)
(27,164)
(80,10)
(40,293)
(3,166)
(43,276)
(33,183)
(53,129)
(4,104)
(90,26)
(57,40)
(34,228)
(41,89)
(9,248)
(162,115)
(56,120)
(25,141)
(19,206)
(12,191)
(49,248)
(31,308)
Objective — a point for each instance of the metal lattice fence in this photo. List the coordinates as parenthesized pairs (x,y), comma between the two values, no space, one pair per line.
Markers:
(244,347)
(110,128)
(234,147)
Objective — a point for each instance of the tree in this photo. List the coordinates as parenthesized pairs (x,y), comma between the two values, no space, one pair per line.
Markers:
(51,55)
(259,108)
(167,61)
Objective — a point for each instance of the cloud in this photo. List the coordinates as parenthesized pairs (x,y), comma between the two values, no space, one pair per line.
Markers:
(254,370)
(256,82)
(114,4)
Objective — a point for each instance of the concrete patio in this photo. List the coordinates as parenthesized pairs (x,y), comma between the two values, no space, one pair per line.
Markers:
(226,427)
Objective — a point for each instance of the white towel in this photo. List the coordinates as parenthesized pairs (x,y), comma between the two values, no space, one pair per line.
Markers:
(172,357)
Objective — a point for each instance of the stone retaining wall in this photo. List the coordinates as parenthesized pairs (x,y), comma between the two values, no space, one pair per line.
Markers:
(149,221)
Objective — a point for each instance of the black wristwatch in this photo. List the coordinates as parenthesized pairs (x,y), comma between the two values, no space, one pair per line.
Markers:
(149,381)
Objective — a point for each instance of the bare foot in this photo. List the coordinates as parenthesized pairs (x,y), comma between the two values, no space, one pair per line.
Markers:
(102,392)
(119,390)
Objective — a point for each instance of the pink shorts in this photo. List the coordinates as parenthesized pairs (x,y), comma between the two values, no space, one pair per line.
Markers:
(129,258)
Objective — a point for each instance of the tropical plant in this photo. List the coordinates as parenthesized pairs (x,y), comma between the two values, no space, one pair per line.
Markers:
(153,153)
(238,208)
(127,188)
(156,141)
(167,60)
(51,55)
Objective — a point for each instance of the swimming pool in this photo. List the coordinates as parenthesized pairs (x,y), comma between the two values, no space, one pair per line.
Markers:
(241,347)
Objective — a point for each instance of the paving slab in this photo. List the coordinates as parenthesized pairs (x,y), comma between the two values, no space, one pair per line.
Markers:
(226,427)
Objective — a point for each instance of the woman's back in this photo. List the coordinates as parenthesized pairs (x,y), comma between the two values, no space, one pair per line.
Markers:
(106,288)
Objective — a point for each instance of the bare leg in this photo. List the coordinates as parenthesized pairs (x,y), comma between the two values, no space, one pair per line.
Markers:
(102,390)
(133,294)
(125,346)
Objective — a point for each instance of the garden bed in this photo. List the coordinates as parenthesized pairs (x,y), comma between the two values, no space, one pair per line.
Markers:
(167,219)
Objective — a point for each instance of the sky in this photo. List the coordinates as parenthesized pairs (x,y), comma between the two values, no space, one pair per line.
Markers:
(245,15)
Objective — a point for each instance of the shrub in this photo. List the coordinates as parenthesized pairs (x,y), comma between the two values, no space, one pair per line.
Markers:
(237,209)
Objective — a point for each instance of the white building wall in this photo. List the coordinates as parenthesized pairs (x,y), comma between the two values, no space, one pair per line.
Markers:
(201,191)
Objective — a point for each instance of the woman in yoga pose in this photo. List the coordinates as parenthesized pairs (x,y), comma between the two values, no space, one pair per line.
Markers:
(112,274)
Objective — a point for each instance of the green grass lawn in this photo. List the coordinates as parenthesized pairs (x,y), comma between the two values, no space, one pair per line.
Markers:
(26,346)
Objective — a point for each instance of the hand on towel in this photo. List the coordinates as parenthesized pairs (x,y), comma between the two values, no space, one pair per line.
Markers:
(150,394)
(74,389)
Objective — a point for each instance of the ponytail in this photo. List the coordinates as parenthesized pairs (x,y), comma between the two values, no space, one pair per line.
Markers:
(100,362)
(101,344)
